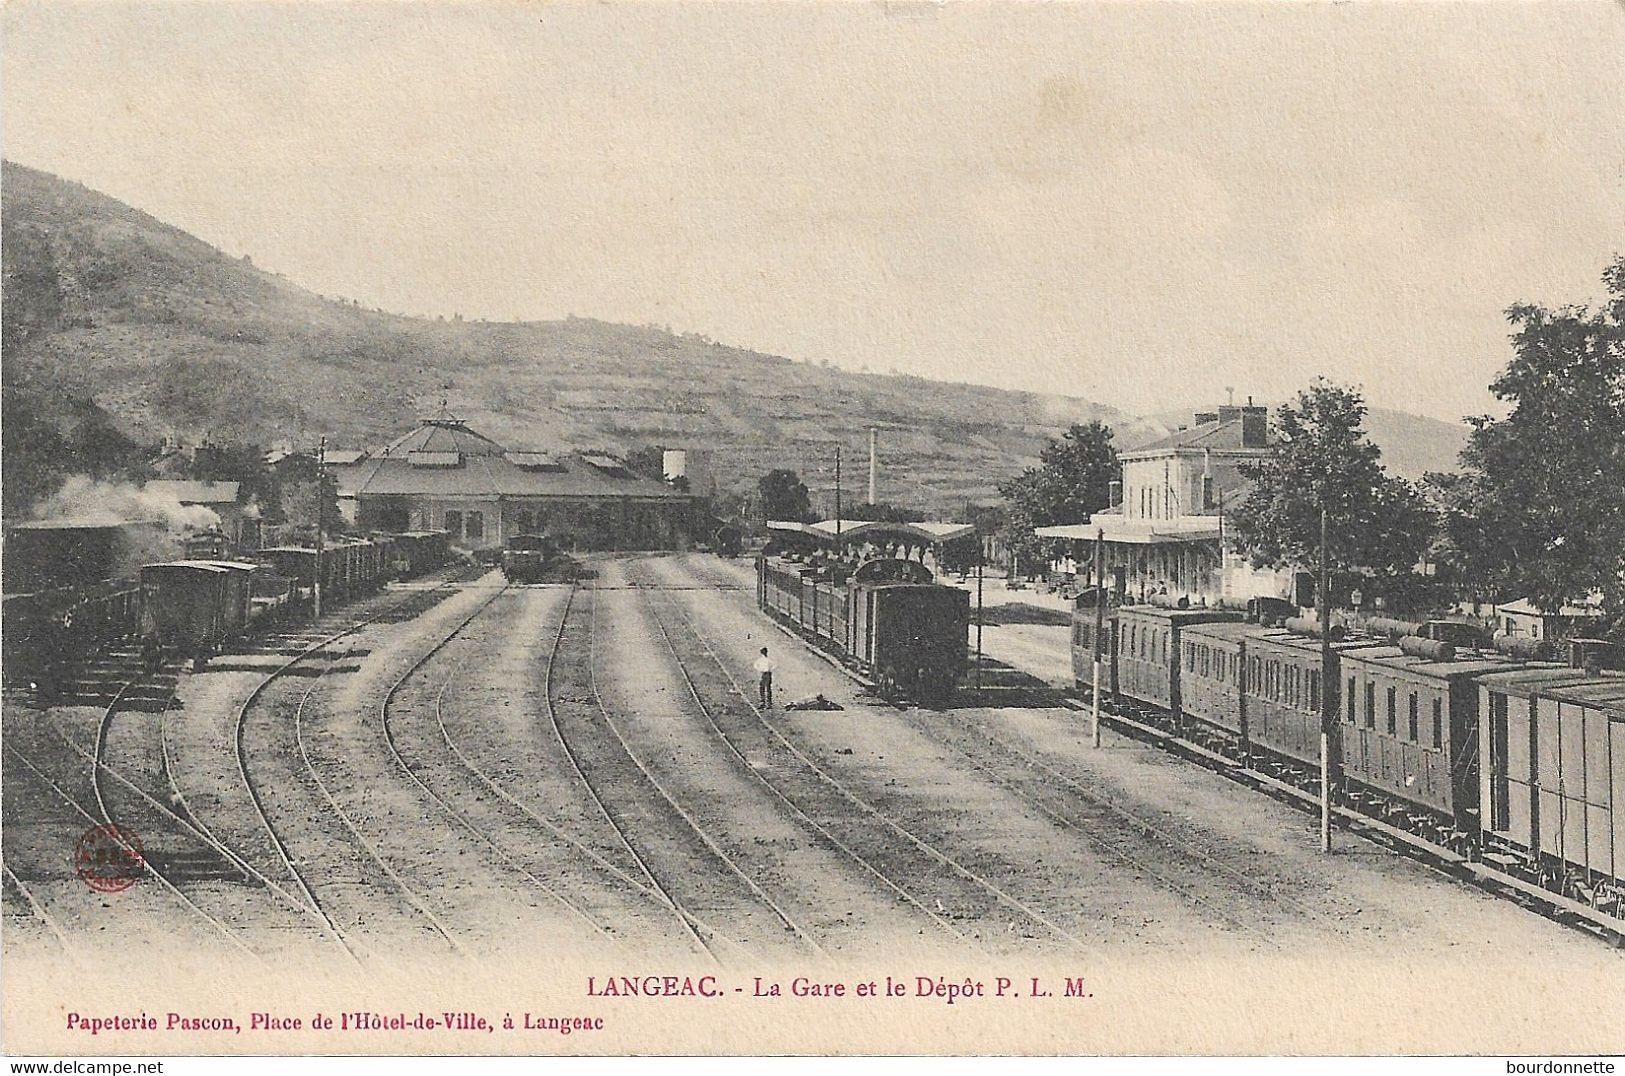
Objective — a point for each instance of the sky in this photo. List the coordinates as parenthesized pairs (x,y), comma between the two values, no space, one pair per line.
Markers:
(1141,204)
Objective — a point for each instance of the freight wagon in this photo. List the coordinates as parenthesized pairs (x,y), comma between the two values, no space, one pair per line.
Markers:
(887,618)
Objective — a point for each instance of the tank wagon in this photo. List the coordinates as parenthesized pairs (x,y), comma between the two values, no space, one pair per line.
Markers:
(1485,752)
(888,618)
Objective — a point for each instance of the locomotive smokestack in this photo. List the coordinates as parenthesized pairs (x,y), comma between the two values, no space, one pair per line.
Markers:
(874,462)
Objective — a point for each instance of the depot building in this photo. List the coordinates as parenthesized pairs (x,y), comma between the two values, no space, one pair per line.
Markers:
(443,475)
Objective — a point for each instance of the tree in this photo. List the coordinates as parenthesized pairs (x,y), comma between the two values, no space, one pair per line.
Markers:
(1071,482)
(1539,508)
(648,461)
(1322,459)
(882,513)
(781,495)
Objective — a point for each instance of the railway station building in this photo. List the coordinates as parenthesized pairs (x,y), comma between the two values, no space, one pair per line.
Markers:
(444,475)
(1166,534)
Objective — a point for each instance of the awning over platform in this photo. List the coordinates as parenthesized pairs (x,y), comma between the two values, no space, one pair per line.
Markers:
(852,530)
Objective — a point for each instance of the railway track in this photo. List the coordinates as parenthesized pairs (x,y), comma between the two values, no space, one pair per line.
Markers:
(670,847)
(1089,814)
(1444,861)
(943,862)
(837,814)
(484,809)
(301,794)
(488,794)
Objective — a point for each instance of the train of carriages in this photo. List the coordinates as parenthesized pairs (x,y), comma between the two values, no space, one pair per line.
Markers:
(1500,754)
(194,608)
(887,616)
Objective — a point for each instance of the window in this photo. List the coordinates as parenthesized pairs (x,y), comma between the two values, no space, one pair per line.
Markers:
(526,523)
(476,525)
(1207,493)
(1370,705)
(1351,700)
(1314,691)
(1414,736)
(1165,648)
(1393,715)
(1438,724)
(454,524)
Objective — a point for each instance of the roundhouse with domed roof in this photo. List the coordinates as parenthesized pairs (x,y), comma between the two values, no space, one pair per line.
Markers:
(444,475)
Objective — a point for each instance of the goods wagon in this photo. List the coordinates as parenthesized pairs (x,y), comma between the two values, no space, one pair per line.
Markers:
(526,558)
(888,618)
(1553,778)
(194,606)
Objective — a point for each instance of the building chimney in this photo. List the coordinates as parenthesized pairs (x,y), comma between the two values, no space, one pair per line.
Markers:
(874,463)
(1255,426)
(1204,418)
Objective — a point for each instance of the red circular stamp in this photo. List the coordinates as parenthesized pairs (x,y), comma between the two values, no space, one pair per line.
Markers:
(109,858)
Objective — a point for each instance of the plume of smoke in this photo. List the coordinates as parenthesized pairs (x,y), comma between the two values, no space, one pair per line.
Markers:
(83,498)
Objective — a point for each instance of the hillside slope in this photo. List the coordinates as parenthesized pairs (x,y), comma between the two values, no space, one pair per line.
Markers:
(171,336)
(119,324)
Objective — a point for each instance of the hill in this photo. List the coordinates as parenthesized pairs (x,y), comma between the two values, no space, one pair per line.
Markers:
(120,329)
(1411,445)
(166,335)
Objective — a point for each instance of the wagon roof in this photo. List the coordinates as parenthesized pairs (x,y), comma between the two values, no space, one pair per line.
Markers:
(207,566)
(1524,682)
(1182,616)
(1224,629)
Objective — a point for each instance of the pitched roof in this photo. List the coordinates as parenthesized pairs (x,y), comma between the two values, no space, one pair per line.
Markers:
(496,476)
(442,435)
(1216,435)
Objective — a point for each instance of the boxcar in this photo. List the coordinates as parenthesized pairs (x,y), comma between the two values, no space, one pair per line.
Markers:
(195,607)
(911,635)
(1553,778)
(888,618)
(1148,655)
(526,557)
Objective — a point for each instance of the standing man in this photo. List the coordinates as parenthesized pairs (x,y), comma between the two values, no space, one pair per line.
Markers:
(764,670)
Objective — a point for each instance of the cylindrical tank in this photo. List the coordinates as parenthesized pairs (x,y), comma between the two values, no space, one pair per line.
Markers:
(1169,601)
(1392,627)
(1524,648)
(1431,649)
(1308,625)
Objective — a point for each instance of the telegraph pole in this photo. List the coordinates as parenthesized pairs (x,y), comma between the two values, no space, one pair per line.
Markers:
(1328,713)
(837,499)
(321,522)
(981,559)
(1100,622)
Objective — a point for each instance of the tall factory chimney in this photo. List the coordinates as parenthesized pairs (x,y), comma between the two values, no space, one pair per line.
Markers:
(874,462)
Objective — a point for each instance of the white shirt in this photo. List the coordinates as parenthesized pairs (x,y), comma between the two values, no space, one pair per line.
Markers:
(764,664)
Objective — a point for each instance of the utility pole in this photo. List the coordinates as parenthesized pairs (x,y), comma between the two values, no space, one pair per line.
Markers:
(1100,621)
(981,558)
(321,524)
(874,463)
(1327,713)
(837,499)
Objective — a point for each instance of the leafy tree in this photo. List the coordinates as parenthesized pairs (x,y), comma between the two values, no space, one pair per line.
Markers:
(1539,508)
(648,461)
(781,495)
(1322,459)
(882,513)
(1071,482)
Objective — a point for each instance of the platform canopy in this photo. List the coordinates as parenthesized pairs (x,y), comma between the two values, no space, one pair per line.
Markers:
(853,530)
